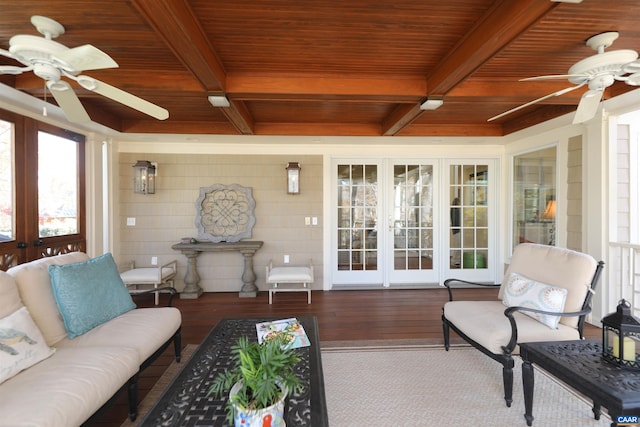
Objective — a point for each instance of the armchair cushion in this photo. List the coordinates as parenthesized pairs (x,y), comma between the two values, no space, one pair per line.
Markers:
(524,292)
(485,323)
(556,267)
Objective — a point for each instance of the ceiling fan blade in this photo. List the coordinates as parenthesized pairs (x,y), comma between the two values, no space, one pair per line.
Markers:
(588,106)
(10,69)
(554,77)
(68,101)
(123,97)
(85,57)
(551,95)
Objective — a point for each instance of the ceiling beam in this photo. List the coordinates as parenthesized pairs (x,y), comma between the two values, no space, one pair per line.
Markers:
(499,26)
(301,87)
(175,22)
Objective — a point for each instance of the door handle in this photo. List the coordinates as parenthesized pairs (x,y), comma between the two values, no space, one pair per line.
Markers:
(22,245)
(38,242)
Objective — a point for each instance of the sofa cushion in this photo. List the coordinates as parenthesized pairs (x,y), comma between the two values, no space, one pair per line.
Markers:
(34,285)
(9,297)
(21,344)
(485,323)
(524,292)
(143,329)
(89,293)
(67,388)
(557,267)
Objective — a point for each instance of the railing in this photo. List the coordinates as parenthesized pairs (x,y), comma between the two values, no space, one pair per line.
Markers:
(624,275)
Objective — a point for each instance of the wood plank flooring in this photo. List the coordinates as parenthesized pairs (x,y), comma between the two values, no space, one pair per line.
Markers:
(389,314)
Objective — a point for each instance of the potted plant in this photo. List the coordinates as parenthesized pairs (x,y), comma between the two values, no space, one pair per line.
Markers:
(262,376)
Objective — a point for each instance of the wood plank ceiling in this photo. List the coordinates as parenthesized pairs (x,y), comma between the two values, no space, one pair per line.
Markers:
(329,67)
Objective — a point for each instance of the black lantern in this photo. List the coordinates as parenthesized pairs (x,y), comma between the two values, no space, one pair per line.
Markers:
(621,337)
(144,177)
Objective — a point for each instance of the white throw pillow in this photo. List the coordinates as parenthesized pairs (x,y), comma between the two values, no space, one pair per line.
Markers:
(21,344)
(524,292)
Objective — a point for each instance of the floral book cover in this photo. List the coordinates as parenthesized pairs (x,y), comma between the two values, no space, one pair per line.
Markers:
(291,327)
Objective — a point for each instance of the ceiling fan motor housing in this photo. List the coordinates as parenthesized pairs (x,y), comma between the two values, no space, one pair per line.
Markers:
(46,71)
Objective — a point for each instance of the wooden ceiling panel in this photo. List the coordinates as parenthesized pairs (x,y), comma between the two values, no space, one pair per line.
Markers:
(361,36)
(358,67)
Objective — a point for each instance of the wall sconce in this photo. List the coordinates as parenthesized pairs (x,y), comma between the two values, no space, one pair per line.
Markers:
(293,178)
(144,177)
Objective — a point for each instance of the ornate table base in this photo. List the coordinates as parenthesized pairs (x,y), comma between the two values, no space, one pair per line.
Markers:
(192,289)
(579,365)
(186,400)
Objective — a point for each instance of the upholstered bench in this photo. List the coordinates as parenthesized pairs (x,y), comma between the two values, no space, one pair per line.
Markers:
(155,276)
(289,278)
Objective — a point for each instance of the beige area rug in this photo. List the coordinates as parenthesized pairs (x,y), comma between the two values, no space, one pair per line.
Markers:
(427,386)
(411,383)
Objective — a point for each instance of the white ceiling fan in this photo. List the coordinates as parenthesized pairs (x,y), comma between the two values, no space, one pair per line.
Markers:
(51,61)
(598,72)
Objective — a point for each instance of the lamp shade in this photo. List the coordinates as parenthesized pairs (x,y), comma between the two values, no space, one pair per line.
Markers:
(550,210)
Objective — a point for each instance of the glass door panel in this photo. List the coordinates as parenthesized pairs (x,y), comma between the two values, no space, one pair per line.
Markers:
(357,223)
(469,221)
(412,224)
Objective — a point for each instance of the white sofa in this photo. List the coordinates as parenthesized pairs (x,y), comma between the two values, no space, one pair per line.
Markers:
(82,373)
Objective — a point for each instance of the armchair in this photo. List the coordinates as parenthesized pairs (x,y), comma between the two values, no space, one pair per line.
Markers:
(545,295)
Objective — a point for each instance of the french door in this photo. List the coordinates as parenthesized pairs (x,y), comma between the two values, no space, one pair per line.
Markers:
(400,222)
(41,191)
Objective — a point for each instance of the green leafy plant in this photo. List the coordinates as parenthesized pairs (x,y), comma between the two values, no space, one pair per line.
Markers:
(261,369)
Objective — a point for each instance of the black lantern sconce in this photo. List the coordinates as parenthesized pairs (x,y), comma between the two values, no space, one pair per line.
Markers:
(293,178)
(621,337)
(144,177)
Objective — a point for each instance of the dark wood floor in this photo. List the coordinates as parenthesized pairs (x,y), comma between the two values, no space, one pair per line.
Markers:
(391,314)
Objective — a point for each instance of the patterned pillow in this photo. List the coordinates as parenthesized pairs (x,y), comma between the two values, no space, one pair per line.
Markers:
(524,292)
(89,293)
(21,344)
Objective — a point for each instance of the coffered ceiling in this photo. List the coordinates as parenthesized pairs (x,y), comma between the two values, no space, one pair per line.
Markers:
(321,67)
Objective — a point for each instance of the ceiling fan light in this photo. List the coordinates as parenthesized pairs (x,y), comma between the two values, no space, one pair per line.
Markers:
(219,101)
(432,103)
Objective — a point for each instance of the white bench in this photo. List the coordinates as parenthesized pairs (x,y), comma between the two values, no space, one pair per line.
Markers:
(290,278)
(155,276)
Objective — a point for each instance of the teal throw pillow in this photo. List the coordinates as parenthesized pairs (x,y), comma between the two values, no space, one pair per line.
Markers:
(89,293)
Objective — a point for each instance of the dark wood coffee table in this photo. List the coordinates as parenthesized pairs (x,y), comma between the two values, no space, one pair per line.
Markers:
(185,402)
(579,365)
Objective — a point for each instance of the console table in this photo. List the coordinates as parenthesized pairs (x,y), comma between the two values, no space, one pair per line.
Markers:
(579,365)
(187,403)
(192,289)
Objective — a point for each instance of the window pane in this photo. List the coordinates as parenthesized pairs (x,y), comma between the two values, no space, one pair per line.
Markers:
(534,201)
(57,185)
(6,181)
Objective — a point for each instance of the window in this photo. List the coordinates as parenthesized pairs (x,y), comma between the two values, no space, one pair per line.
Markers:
(534,197)
(57,185)
(7,219)
(41,190)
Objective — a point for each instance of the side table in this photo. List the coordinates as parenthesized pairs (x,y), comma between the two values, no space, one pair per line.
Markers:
(578,364)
